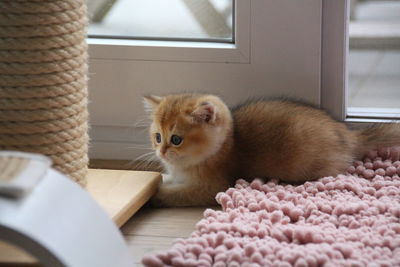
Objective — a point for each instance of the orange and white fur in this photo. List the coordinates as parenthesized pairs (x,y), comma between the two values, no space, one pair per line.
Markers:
(205,146)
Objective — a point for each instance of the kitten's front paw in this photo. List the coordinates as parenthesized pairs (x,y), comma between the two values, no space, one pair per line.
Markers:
(159,199)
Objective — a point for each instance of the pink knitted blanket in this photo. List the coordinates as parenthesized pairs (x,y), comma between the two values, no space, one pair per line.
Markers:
(349,220)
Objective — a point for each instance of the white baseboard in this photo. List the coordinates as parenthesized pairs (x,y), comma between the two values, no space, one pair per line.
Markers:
(118,142)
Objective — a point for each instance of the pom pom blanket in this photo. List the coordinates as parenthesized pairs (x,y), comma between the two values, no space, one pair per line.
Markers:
(352,219)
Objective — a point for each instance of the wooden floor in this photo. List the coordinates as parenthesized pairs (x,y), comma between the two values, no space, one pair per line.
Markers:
(151,230)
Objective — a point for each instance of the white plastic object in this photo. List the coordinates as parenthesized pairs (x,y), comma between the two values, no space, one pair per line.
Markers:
(58,222)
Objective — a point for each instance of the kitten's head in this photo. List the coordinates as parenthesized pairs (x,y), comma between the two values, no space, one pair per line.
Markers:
(187,129)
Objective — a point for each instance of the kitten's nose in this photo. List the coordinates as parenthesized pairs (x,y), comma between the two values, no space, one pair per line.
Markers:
(163,150)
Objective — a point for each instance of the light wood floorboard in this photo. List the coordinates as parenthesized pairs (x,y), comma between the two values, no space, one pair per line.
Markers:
(151,230)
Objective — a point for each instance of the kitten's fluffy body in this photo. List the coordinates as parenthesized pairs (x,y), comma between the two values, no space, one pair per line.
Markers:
(272,139)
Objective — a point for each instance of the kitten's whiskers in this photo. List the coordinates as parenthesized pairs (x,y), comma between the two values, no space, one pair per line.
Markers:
(146,162)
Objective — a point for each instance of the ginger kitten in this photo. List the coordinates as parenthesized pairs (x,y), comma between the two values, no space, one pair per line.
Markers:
(205,146)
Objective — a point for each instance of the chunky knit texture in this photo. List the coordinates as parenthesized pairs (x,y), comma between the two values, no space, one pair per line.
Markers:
(43,87)
(352,219)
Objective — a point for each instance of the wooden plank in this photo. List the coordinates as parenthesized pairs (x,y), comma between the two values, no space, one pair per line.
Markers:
(122,193)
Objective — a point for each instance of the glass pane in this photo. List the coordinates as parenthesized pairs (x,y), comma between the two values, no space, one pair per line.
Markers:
(209,20)
(374,58)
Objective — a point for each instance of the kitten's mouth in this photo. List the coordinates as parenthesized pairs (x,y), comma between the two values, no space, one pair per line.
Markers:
(169,157)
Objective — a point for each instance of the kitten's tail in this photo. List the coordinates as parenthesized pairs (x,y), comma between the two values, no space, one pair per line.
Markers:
(378,136)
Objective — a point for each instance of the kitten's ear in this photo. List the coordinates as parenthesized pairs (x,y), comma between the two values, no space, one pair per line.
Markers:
(205,112)
(151,102)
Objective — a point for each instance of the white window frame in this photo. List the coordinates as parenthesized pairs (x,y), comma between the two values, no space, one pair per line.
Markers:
(334,56)
(236,52)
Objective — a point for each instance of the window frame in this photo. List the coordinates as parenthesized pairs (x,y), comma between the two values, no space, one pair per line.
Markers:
(185,51)
(334,56)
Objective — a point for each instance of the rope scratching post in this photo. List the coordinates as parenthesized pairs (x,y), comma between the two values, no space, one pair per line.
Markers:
(43,81)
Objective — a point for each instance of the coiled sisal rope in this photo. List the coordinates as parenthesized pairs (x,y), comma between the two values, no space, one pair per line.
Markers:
(43,81)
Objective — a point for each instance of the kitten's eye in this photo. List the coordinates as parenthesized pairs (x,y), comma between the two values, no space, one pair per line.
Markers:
(158,137)
(176,140)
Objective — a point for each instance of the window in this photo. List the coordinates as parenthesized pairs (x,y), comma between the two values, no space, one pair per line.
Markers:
(207,20)
(183,30)
(374,59)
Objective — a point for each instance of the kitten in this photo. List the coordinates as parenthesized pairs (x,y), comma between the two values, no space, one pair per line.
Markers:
(205,146)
